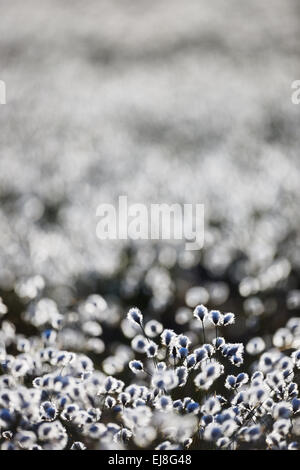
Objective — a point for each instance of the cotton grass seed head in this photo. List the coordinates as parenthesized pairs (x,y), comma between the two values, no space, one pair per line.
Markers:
(135,316)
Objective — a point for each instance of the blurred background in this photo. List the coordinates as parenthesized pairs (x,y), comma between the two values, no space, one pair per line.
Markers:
(163,101)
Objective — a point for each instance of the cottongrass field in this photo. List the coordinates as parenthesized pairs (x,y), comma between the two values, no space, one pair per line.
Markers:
(140,345)
(185,391)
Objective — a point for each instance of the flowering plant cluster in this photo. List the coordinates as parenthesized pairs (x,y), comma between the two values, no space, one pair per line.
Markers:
(184,392)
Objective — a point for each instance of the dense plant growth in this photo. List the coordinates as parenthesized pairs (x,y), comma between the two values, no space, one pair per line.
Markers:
(184,390)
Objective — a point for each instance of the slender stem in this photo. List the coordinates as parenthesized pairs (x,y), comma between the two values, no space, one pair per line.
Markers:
(203,331)
(147,338)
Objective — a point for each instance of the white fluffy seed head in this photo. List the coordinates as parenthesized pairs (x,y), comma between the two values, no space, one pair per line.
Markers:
(135,316)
